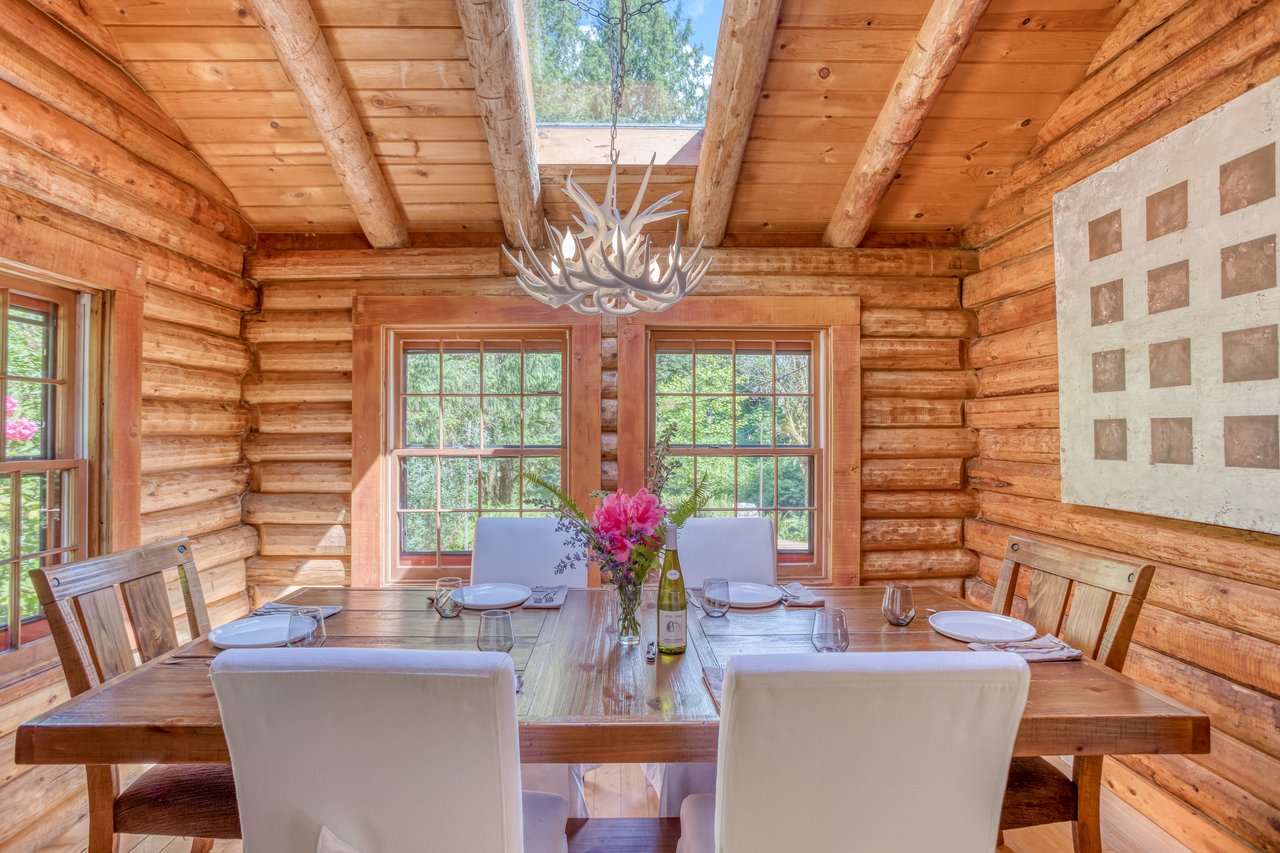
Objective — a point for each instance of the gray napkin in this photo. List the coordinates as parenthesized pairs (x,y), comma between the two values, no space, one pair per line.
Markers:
(274,607)
(546,597)
(1040,650)
(799,595)
(714,677)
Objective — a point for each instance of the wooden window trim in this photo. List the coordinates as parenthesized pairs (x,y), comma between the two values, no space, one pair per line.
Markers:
(374,318)
(838,320)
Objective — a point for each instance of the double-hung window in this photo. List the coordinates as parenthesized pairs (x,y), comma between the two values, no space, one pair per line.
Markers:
(745,414)
(475,412)
(43,506)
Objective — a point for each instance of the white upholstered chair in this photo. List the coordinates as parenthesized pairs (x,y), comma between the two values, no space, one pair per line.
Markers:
(527,551)
(737,549)
(901,751)
(388,749)
(524,551)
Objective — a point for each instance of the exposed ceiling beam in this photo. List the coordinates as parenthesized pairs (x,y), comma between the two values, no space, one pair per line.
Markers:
(492,29)
(742,54)
(937,49)
(299,44)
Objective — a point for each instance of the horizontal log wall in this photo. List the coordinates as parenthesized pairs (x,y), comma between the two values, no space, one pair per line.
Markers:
(914,385)
(97,185)
(1210,632)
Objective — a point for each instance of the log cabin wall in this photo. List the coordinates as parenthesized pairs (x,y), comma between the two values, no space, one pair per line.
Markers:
(1210,629)
(914,383)
(97,186)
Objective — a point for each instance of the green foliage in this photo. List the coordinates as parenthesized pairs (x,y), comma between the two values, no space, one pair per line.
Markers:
(569,55)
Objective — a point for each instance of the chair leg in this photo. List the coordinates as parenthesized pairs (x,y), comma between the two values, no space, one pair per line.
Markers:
(102,788)
(202,845)
(1086,829)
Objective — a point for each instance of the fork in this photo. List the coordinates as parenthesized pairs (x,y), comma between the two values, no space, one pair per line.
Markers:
(787,595)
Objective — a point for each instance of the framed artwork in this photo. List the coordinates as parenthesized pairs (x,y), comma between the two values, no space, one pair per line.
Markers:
(1168,308)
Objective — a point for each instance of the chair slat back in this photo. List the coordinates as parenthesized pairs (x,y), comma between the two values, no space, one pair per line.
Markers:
(1088,600)
(94,635)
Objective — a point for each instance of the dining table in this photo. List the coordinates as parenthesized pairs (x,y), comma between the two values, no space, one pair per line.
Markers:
(586,698)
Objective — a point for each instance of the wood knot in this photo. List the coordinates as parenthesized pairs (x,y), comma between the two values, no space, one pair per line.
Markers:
(824,72)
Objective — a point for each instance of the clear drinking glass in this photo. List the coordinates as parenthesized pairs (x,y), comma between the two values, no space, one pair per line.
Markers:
(830,631)
(898,606)
(448,603)
(496,634)
(715,596)
(306,627)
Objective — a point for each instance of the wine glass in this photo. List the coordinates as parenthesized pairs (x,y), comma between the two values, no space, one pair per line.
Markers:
(306,627)
(448,601)
(898,606)
(496,634)
(715,596)
(830,632)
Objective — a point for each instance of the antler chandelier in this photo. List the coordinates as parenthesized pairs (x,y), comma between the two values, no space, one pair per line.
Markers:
(608,264)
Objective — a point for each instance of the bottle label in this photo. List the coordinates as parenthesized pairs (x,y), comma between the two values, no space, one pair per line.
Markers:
(673,574)
(672,628)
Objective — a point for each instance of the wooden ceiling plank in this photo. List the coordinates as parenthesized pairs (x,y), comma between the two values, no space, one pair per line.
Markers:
(742,54)
(492,29)
(937,49)
(295,35)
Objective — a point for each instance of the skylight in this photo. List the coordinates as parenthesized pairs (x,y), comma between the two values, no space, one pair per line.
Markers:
(668,63)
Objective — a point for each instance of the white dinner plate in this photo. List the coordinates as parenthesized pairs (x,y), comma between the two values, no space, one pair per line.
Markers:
(751,595)
(494,596)
(257,632)
(972,626)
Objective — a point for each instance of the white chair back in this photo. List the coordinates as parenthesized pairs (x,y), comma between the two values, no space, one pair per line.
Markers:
(736,549)
(901,751)
(524,551)
(390,749)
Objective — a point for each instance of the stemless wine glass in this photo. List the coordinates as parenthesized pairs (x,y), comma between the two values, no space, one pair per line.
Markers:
(715,596)
(496,634)
(448,601)
(830,632)
(306,627)
(898,606)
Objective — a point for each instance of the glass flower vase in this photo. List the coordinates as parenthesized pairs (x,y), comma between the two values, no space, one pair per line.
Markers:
(628,615)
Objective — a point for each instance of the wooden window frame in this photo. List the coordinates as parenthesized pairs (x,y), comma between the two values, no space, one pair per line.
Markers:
(375,319)
(836,322)
(113,407)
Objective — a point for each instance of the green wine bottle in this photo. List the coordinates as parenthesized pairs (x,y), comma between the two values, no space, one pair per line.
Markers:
(673,629)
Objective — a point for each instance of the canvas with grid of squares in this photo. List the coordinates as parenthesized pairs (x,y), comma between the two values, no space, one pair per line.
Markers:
(1168,312)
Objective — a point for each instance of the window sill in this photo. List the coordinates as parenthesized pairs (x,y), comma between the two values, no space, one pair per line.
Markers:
(32,659)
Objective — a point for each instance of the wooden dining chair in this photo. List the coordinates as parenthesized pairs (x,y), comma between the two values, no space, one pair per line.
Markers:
(1092,602)
(97,639)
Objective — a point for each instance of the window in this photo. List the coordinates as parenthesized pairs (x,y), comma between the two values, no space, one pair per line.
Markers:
(746,422)
(764,394)
(475,413)
(43,508)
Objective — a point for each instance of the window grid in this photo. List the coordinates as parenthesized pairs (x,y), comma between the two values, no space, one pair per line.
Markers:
(547,459)
(805,451)
(42,501)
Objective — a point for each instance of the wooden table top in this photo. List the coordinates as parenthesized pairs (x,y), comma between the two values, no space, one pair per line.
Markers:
(586,699)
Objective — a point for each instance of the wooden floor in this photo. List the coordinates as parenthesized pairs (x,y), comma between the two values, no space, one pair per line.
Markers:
(620,790)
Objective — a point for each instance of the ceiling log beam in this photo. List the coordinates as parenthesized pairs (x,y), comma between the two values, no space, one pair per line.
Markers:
(299,44)
(742,54)
(492,30)
(937,49)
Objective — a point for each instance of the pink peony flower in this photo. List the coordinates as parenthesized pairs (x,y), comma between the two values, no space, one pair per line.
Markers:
(20,429)
(10,405)
(611,516)
(621,550)
(645,512)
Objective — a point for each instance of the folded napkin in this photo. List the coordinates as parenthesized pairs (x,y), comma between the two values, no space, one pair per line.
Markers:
(545,597)
(799,595)
(1039,650)
(330,843)
(274,607)
(714,677)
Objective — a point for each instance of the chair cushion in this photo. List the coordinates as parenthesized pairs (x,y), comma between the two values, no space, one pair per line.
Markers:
(1037,793)
(193,800)
(697,824)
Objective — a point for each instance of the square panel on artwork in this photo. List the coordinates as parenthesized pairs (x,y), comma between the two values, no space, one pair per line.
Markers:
(1169,323)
